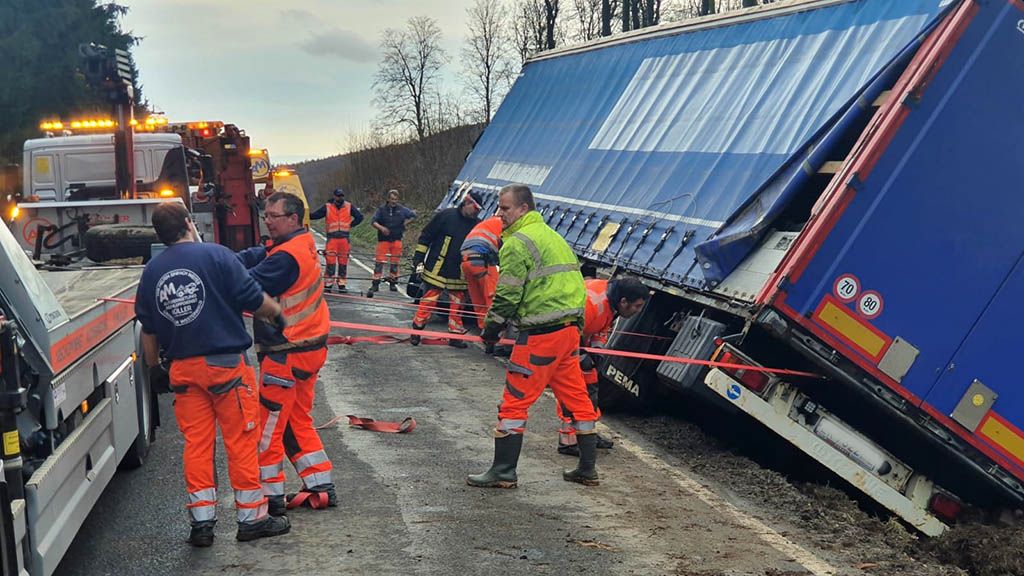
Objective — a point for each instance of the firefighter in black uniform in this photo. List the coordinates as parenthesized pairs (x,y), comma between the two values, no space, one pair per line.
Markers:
(438,262)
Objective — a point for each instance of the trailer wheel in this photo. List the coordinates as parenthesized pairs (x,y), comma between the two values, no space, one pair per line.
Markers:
(116,241)
(136,455)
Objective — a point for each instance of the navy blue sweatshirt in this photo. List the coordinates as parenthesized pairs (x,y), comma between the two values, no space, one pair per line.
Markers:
(191,296)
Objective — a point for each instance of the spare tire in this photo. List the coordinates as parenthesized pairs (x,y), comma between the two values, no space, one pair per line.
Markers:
(116,241)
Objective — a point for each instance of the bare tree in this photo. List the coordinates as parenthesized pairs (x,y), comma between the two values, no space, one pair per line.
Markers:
(638,14)
(407,74)
(550,17)
(593,18)
(486,59)
(528,27)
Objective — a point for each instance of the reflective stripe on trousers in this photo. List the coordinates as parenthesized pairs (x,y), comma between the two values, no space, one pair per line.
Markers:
(250,506)
(202,505)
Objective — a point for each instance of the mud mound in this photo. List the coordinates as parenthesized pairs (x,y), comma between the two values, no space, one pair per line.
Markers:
(983,549)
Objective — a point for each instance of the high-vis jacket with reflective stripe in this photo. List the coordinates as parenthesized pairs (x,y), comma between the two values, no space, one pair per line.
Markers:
(485,238)
(540,283)
(599,314)
(302,304)
(438,249)
(339,220)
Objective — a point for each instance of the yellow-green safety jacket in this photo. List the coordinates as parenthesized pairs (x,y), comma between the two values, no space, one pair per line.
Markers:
(540,284)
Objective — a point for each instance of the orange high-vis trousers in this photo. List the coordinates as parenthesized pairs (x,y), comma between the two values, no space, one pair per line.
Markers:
(537,362)
(286,423)
(428,305)
(482,280)
(336,255)
(212,390)
(388,252)
(567,434)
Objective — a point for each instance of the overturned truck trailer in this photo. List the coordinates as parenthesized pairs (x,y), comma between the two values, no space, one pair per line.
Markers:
(829,185)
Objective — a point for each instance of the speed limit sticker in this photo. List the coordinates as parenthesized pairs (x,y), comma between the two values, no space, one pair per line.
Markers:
(870,304)
(847,287)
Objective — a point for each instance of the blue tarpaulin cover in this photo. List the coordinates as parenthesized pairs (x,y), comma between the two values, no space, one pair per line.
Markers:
(650,153)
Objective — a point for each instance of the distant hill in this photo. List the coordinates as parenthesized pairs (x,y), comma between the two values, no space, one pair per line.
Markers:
(420,171)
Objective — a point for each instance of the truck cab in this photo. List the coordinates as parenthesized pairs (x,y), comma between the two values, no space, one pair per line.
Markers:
(81,167)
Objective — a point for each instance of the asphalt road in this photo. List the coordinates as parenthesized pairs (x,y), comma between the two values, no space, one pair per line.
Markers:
(405,508)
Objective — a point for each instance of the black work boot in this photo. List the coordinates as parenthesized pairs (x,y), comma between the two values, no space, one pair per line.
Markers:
(569,449)
(415,339)
(201,535)
(503,471)
(394,285)
(276,506)
(604,443)
(266,528)
(342,289)
(586,471)
(455,343)
(374,286)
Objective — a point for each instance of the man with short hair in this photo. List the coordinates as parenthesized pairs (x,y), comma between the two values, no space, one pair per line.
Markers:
(341,217)
(541,289)
(390,221)
(291,358)
(189,302)
(606,301)
(437,263)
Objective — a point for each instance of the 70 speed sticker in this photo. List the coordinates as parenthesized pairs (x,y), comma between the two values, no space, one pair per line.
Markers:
(848,290)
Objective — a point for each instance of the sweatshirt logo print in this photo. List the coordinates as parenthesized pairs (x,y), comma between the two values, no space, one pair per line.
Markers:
(180,296)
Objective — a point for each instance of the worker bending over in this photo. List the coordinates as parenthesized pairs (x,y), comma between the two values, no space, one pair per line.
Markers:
(341,218)
(189,302)
(438,264)
(606,301)
(291,358)
(541,289)
(480,264)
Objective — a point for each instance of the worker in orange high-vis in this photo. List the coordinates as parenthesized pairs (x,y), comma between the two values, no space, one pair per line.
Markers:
(540,288)
(189,302)
(390,221)
(606,301)
(480,264)
(291,358)
(341,217)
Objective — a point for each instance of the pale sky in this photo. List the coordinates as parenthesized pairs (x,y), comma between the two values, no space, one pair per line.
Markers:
(296,75)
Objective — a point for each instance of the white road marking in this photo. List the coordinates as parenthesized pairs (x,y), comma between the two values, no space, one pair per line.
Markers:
(356,261)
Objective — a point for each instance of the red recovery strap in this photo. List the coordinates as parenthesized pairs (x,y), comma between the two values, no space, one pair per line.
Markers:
(601,351)
(407,424)
(435,337)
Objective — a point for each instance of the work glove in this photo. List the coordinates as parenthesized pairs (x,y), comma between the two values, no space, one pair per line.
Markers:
(280,321)
(414,287)
(491,334)
(588,362)
(159,379)
(419,269)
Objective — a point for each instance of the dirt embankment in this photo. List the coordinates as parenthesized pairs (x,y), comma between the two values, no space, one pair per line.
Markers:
(812,499)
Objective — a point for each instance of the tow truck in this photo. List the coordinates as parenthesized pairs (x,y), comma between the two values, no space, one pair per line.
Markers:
(75,400)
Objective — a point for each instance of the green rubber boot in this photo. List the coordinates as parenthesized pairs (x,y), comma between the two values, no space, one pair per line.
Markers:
(503,471)
(586,471)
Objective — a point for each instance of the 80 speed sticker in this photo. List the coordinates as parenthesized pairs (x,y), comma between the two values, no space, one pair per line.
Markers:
(870,304)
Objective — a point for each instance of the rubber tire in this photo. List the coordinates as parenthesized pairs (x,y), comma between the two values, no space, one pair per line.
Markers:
(136,455)
(115,241)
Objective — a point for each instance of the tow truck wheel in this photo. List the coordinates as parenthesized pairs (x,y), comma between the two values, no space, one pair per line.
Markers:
(116,241)
(136,455)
